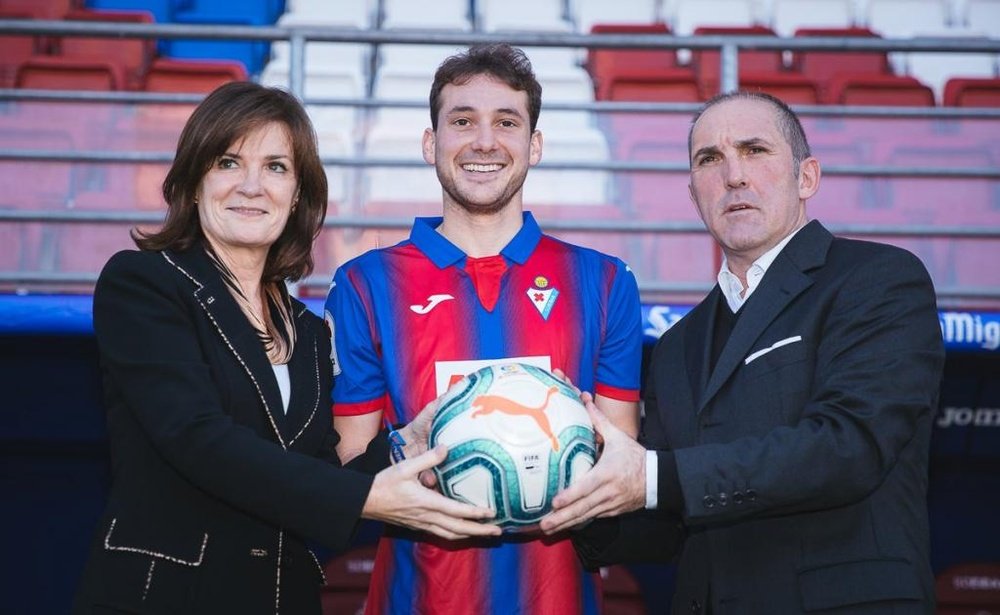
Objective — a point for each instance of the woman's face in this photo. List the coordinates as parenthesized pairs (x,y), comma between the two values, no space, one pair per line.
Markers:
(245,198)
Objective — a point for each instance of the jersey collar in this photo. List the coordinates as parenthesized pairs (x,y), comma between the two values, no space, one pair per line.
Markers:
(444,253)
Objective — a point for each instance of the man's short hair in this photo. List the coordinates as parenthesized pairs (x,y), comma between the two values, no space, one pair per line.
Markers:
(788,122)
(499,60)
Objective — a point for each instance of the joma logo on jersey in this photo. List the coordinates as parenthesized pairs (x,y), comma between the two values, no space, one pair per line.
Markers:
(432,302)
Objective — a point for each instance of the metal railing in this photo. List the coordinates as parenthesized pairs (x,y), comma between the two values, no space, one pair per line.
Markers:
(299,36)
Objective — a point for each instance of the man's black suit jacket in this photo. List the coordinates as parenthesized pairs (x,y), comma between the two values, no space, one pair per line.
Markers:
(214,488)
(802,456)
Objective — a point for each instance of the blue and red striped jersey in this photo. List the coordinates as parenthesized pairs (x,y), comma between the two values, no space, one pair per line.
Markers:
(411,319)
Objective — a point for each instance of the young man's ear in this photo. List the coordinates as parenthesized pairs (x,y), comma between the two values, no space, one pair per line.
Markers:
(535,148)
(427,144)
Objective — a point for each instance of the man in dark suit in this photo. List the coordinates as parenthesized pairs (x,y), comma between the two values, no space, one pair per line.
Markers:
(787,416)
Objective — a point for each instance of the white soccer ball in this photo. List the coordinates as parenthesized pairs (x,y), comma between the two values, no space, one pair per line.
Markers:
(516,436)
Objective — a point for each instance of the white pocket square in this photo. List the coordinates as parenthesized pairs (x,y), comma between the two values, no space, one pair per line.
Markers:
(774,346)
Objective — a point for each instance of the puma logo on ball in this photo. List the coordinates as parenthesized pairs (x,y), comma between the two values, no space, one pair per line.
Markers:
(486,404)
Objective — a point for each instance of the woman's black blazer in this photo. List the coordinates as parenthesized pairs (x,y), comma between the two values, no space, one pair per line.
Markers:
(214,487)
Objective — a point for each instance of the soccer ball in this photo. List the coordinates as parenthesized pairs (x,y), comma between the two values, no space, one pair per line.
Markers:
(516,436)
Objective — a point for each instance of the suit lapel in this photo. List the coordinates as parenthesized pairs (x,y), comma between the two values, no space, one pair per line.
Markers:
(697,343)
(236,332)
(785,280)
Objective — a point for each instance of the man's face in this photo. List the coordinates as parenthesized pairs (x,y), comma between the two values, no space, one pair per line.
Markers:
(743,180)
(483,145)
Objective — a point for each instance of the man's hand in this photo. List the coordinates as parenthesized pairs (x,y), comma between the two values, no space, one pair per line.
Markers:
(417,431)
(398,497)
(615,485)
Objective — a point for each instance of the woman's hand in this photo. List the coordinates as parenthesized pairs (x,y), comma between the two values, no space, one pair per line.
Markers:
(398,497)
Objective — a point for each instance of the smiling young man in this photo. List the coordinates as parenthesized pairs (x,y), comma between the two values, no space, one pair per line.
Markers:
(479,285)
(788,415)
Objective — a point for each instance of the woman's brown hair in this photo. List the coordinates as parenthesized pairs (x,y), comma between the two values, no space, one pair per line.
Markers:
(228,114)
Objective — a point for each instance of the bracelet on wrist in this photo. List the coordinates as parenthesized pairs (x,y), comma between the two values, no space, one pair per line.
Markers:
(396,444)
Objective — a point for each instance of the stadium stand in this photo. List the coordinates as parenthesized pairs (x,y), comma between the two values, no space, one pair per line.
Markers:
(40,9)
(822,66)
(641,75)
(964,92)
(70,73)
(687,15)
(589,13)
(167,75)
(133,55)
(982,15)
(788,16)
(16,49)
(163,10)
(912,164)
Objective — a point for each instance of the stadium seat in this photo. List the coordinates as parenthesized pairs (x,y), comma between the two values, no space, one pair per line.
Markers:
(905,18)
(163,10)
(647,85)
(639,74)
(40,9)
(687,15)
(51,181)
(16,49)
(706,61)
(446,15)
(792,88)
(822,66)
(885,90)
(511,15)
(252,54)
(167,75)
(133,54)
(66,73)
(589,13)
(567,144)
(356,13)
(935,68)
(967,92)
(982,15)
(787,16)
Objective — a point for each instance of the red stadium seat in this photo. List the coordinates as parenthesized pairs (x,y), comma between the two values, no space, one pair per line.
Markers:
(618,72)
(62,73)
(888,90)
(792,88)
(194,76)
(970,92)
(41,9)
(706,61)
(16,49)
(134,55)
(645,85)
(823,66)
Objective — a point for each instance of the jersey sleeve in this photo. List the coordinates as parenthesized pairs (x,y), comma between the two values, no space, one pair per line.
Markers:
(359,382)
(620,357)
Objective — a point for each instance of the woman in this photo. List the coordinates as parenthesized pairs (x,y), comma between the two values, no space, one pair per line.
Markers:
(217,387)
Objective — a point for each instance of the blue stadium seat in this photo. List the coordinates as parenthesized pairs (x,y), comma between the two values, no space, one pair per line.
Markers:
(253,54)
(163,10)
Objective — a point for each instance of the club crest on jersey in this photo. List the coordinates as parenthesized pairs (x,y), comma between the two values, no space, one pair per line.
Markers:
(543,296)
